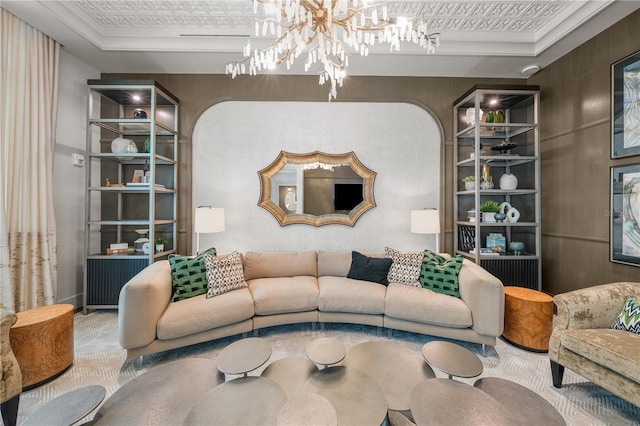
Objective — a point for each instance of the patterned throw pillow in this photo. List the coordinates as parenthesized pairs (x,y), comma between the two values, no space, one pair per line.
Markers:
(224,274)
(629,318)
(441,275)
(405,268)
(189,275)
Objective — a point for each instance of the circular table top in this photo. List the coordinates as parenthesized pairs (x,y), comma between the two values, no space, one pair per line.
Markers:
(326,351)
(41,314)
(396,369)
(308,409)
(167,391)
(290,374)
(244,355)
(452,359)
(521,401)
(527,294)
(68,408)
(450,402)
(244,401)
(356,397)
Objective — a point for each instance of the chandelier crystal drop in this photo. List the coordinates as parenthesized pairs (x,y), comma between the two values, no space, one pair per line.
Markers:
(326,32)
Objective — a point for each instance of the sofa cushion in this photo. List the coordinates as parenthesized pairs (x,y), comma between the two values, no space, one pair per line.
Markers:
(189,275)
(441,275)
(200,314)
(405,268)
(340,294)
(629,318)
(616,350)
(284,295)
(369,268)
(224,273)
(425,306)
(276,265)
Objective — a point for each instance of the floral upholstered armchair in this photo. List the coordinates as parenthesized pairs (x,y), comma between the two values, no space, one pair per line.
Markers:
(10,376)
(585,341)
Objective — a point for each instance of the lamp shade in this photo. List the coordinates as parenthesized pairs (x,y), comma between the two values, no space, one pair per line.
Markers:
(208,220)
(425,221)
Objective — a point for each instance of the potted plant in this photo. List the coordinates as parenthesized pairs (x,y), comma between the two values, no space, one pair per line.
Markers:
(469,183)
(489,209)
(160,242)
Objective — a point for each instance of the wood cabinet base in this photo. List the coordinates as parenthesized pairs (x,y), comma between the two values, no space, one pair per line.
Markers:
(42,341)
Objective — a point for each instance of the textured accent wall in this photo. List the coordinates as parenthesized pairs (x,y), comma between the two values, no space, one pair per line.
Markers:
(575,107)
(399,141)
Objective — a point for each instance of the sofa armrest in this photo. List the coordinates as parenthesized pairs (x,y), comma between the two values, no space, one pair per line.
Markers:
(593,307)
(142,301)
(484,294)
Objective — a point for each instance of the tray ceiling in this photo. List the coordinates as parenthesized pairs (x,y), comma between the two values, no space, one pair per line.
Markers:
(478,38)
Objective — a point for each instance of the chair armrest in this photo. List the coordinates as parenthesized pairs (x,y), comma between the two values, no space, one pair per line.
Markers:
(484,294)
(142,301)
(593,307)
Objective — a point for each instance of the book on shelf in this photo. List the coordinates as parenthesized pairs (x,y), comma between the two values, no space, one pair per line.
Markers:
(118,246)
(485,252)
(125,250)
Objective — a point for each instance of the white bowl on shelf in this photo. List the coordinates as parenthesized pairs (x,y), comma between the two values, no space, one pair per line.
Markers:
(122,145)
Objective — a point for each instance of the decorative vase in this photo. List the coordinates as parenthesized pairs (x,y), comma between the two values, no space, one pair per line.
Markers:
(500,217)
(121,145)
(159,247)
(508,181)
(470,186)
(517,247)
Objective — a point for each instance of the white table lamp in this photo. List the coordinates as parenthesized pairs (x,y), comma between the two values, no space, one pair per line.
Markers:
(207,220)
(426,221)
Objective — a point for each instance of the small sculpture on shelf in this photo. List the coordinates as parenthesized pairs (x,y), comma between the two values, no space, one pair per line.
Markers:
(108,184)
(504,147)
(512,214)
(517,247)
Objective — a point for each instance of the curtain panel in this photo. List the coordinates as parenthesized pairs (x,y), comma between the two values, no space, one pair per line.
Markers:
(29,97)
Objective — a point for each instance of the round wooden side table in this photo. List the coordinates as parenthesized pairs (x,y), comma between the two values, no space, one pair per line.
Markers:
(528,318)
(42,341)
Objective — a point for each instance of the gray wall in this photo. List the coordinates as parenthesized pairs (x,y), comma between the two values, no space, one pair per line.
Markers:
(575,148)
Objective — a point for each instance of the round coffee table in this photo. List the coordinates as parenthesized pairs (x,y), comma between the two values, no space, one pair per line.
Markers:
(308,409)
(68,408)
(244,356)
(450,402)
(452,359)
(396,369)
(356,397)
(528,318)
(244,401)
(290,374)
(326,351)
(521,401)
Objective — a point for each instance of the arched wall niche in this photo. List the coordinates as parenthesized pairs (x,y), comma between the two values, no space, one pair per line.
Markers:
(233,140)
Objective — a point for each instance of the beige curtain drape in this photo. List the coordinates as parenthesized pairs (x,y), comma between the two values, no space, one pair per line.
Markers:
(29,98)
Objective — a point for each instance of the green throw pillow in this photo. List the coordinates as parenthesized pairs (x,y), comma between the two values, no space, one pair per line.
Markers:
(366,268)
(189,275)
(629,318)
(440,274)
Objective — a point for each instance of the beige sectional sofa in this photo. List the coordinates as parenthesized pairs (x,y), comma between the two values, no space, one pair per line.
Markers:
(583,341)
(287,288)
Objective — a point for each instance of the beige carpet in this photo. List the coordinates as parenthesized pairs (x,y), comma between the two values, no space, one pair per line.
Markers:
(99,360)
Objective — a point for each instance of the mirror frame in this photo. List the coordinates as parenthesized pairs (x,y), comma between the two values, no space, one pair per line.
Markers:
(349,158)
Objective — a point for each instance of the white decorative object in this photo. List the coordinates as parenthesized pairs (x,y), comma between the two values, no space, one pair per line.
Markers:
(470,186)
(121,145)
(508,181)
(512,214)
(426,221)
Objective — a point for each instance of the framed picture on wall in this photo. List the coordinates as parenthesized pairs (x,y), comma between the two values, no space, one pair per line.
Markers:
(625,107)
(625,215)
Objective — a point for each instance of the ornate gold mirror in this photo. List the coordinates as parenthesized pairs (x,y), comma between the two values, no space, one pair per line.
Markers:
(316,188)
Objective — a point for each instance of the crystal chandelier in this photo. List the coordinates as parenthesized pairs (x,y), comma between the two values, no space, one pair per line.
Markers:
(328,30)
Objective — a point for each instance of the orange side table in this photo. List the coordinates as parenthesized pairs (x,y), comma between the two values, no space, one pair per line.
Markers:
(42,341)
(528,318)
